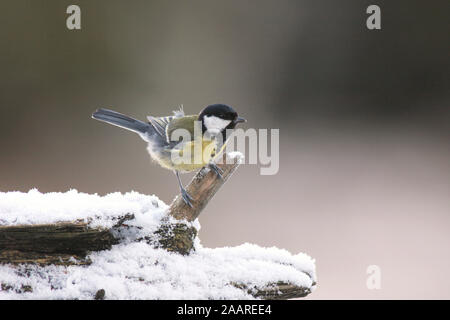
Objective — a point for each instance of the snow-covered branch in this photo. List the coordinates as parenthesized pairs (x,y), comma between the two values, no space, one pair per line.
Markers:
(132,246)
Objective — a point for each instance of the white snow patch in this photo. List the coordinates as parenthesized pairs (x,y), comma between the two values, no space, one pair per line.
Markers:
(35,207)
(136,270)
(236,155)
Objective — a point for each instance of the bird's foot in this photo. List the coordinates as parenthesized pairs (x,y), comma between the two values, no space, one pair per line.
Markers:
(186,197)
(216,169)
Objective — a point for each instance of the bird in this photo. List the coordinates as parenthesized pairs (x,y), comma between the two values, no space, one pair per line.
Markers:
(213,122)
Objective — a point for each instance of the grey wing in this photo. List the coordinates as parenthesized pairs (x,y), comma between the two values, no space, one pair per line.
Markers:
(160,124)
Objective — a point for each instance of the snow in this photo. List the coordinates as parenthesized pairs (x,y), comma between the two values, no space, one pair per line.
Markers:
(37,208)
(136,270)
(236,155)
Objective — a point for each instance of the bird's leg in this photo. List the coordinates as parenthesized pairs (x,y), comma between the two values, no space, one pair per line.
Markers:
(186,196)
(216,169)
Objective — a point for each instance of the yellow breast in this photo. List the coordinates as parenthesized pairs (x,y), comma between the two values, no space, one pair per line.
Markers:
(192,156)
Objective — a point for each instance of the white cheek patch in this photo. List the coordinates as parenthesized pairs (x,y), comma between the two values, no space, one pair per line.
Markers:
(215,124)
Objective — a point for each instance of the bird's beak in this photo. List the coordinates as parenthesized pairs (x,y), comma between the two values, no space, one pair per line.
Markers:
(239,120)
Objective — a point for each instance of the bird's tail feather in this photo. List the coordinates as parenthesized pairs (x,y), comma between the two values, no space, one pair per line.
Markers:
(121,120)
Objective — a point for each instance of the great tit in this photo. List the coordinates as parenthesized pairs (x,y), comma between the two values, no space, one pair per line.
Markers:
(213,122)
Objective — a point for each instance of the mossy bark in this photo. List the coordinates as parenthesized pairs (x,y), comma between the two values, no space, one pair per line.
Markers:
(177,237)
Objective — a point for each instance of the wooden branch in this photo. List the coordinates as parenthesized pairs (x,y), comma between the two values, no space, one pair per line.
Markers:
(66,237)
(64,243)
(280,291)
(202,188)
(69,243)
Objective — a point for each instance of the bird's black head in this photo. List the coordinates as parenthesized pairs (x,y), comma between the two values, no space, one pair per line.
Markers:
(217,118)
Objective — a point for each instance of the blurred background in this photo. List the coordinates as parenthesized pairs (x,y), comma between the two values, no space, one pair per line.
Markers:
(363,116)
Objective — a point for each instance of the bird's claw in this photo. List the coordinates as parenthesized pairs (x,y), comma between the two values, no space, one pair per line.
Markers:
(216,169)
(186,197)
